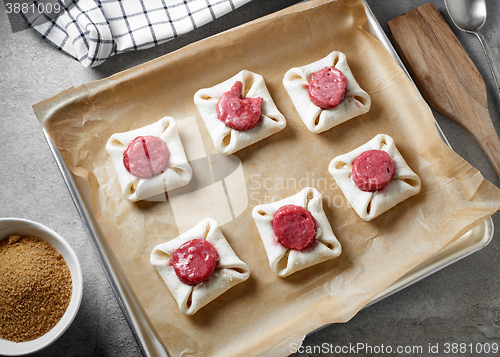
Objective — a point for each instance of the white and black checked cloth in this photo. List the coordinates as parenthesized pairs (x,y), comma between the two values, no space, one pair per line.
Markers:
(93,30)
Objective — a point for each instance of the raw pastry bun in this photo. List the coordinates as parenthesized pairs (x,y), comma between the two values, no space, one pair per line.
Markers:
(177,171)
(368,205)
(356,101)
(229,272)
(225,139)
(285,261)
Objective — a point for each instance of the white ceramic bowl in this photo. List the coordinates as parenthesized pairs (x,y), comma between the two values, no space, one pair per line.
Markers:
(9,226)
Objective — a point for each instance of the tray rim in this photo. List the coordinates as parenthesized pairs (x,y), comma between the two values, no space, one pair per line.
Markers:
(148,343)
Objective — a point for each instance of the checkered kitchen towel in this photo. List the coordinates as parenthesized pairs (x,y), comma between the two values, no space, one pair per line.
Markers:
(93,30)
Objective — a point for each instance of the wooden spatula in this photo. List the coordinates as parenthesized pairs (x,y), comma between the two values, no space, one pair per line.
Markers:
(445,74)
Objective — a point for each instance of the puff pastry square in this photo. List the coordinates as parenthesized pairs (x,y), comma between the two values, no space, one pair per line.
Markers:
(229,272)
(225,139)
(368,205)
(177,171)
(285,261)
(356,101)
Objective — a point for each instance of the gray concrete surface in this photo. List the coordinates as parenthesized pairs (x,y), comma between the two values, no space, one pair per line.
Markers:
(460,304)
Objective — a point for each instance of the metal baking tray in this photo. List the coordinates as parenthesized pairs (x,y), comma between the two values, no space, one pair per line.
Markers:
(147,340)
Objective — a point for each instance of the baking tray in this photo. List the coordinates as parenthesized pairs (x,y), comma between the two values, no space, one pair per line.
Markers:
(149,344)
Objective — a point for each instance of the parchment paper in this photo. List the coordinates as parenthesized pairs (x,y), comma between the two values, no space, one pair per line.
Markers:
(265,314)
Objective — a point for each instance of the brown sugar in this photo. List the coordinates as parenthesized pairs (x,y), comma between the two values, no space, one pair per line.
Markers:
(35,288)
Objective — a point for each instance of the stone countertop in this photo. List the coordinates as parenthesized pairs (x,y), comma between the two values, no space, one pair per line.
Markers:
(459,304)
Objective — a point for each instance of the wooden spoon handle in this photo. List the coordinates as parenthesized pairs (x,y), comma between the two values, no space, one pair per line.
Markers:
(489,141)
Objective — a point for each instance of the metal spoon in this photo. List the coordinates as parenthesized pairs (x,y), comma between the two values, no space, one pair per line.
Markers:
(470,16)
